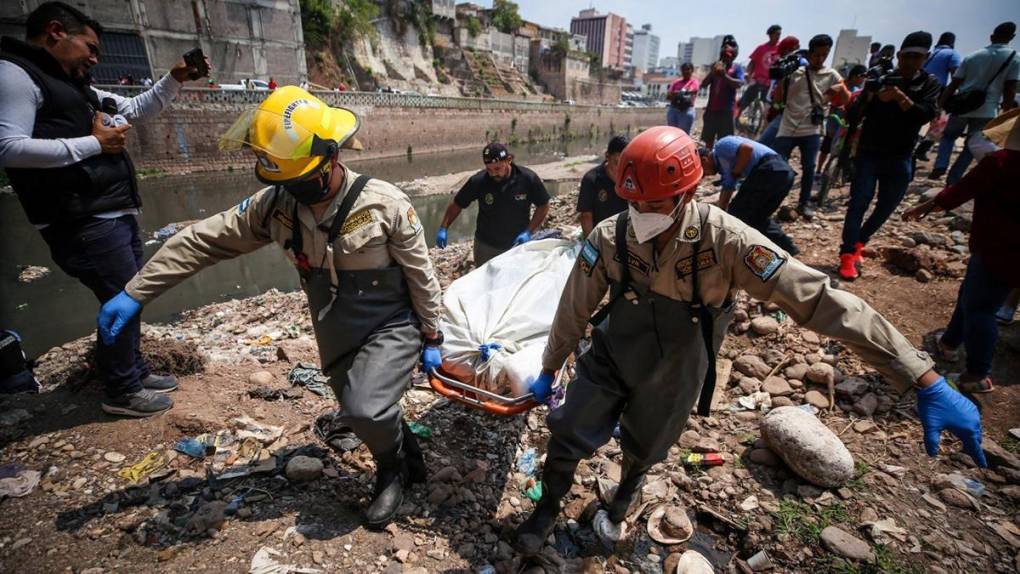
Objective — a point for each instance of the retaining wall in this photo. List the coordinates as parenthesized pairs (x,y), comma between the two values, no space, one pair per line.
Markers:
(184,137)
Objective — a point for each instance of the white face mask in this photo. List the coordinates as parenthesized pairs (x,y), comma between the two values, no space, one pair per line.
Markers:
(649,225)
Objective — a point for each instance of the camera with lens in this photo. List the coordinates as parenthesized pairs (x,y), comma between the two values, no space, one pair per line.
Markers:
(784,67)
(817,115)
(881,75)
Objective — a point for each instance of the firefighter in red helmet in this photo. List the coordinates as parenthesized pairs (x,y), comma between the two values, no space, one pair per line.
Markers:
(671,266)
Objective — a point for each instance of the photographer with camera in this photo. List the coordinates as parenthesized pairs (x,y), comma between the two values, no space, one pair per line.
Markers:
(723,81)
(681,95)
(787,62)
(895,106)
(63,146)
(806,94)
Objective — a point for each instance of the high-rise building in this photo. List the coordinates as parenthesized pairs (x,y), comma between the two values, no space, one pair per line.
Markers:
(850,49)
(669,62)
(607,36)
(701,51)
(646,48)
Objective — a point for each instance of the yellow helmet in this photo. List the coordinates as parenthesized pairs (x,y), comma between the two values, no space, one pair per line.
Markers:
(293,134)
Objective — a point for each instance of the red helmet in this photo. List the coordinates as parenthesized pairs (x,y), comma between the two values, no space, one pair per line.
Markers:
(660,162)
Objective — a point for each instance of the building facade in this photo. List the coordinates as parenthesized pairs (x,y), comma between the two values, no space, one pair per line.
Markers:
(646,49)
(144,38)
(606,36)
(850,49)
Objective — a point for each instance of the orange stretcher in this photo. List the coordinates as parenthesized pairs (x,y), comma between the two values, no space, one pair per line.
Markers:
(482,399)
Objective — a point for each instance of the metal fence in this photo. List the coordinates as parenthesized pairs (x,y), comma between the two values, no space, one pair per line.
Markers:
(360,99)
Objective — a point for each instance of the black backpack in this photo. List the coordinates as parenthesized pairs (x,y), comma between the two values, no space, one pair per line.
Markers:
(963,102)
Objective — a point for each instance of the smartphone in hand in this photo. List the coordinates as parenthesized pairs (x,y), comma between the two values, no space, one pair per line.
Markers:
(196,59)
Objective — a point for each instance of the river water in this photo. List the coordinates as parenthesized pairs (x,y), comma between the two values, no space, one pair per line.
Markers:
(57,308)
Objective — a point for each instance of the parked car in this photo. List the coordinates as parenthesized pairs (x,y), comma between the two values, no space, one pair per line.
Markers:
(255,85)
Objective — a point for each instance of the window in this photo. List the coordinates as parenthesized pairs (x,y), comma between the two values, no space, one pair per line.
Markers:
(123,53)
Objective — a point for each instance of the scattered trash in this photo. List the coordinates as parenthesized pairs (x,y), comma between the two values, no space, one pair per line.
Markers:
(1015,433)
(760,562)
(264,562)
(143,468)
(960,482)
(882,530)
(707,459)
(692,562)
(248,427)
(669,524)
(270,394)
(754,401)
(191,447)
(338,436)
(171,229)
(30,273)
(526,463)
(533,489)
(419,430)
(309,376)
(19,484)
(608,532)
(114,457)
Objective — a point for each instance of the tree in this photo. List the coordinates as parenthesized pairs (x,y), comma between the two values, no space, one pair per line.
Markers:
(474,26)
(505,17)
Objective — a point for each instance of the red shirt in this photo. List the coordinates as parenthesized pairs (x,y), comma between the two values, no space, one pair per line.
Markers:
(763,57)
(692,85)
(994,185)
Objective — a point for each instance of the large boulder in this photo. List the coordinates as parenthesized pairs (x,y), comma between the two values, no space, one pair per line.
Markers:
(808,447)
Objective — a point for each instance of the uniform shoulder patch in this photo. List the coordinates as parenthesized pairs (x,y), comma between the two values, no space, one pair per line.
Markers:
(691,233)
(356,221)
(588,257)
(635,261)
(706,259)
(413,221)
(763,262)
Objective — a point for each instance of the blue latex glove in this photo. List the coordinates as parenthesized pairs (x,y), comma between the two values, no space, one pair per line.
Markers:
(941,407)
(524,237)
(441,238)
(541,387)
(430,358)
(115,314)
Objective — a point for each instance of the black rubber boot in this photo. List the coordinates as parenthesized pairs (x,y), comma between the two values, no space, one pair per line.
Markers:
(557,476)
(417,472)
(389,490)
(632,477)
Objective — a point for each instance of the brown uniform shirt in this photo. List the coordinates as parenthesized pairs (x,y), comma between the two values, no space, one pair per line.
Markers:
(382,230)
(731,255)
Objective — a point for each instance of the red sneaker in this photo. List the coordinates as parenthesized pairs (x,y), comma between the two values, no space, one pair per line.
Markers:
(858,252)
(848,266)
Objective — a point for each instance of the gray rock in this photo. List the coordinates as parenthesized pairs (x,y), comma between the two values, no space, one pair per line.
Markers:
(752,366)
(798,372)
(17,416)
(846,545)
(782,402)
(777,387)
(261,378)
(764,457)
(821,373)
(808,447)
(765,325)
(816,399)
(866,405)
(851,387)
(998,456)
(749,385)
(303,468)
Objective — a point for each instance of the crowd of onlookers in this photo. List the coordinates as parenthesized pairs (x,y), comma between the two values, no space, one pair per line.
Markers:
(870,118)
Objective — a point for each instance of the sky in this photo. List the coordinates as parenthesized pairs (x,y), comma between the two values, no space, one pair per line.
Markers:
(886,21)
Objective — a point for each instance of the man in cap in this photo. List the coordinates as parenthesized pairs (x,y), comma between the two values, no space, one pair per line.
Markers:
(505,193)
(893,116)
(597,199)
(671,266)
(758,66)
(360,250)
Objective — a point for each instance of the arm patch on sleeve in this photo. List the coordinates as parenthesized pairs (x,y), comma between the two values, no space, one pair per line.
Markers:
(243,206)
(413,221)
(588,257)
(763,262)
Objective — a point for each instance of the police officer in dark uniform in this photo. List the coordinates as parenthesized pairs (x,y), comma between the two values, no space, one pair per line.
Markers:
(505,193)
(66,159)
(597,199)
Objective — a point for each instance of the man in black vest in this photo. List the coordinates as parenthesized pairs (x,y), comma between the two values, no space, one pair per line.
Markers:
(67,162)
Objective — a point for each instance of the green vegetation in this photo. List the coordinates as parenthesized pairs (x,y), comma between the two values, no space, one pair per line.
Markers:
(354,20)
(474,26)
(316,21)
(860,469)
(800,521)
(322,24)
(885,563)
(505,17)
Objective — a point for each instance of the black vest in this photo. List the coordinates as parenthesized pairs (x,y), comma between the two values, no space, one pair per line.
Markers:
(98,184)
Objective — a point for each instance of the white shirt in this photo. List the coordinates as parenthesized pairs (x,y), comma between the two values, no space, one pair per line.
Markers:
(797,112)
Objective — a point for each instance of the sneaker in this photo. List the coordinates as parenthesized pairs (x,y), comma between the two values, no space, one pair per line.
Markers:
(858,252)
(848,266)
(937,173)
(144,403)
(160,383)
(1005,315)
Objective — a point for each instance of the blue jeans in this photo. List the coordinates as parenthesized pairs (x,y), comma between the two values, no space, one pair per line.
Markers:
(890,174)
(104,254)
(973,323)
(808,146)
(768,137)
(956,127)
(680,119)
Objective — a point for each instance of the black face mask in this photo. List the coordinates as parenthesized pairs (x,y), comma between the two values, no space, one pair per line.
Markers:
(309,191)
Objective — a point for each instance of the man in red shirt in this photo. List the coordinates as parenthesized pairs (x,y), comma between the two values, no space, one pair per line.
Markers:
(994,185)
(762,59)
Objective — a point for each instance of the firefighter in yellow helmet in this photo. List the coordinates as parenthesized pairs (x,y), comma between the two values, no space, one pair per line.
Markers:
(360,251)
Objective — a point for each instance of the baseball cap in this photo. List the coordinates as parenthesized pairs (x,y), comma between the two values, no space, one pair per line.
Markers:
(494,152)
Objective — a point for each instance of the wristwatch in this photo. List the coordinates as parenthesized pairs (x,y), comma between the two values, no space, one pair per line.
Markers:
(434,341)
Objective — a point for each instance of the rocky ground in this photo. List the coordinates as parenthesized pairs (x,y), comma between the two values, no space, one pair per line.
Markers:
(114,495)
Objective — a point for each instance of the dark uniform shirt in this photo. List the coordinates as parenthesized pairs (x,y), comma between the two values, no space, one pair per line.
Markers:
(598,195)
(504,207)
